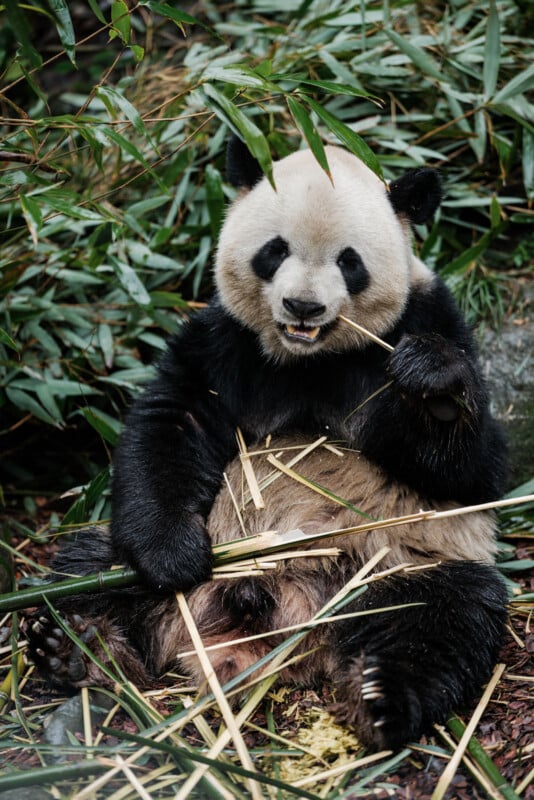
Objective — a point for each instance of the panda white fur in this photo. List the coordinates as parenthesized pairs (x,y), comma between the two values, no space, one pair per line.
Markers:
(271,357)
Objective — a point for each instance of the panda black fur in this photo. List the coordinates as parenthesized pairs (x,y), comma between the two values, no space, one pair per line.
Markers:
(270,356)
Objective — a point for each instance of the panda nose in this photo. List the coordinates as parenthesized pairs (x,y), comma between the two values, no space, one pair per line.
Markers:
(303,309)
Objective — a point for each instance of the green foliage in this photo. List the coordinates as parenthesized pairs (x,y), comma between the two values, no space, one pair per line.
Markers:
(113,125)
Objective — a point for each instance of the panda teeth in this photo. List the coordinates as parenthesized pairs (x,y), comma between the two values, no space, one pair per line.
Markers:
(301,332)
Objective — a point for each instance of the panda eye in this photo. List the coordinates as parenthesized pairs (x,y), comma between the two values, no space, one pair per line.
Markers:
(353,270)
(270,257)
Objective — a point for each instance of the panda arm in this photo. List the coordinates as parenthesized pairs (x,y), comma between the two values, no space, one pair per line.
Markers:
(433,428)
(168,468)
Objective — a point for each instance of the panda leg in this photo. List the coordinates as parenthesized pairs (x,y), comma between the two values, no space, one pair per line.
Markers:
(402,670)
(101,622)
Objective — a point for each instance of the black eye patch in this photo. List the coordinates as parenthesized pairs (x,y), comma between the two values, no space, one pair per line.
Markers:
(269,258)
(353,270)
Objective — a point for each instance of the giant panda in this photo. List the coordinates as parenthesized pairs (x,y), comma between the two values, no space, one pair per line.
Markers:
(407,428)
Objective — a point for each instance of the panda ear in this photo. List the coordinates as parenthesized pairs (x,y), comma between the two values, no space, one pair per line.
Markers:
(242,169)
(417,194)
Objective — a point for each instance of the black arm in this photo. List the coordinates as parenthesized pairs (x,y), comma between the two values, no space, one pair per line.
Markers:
(433,429)
(168,468)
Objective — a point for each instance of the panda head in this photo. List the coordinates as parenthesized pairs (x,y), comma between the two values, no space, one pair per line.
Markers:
(290,260)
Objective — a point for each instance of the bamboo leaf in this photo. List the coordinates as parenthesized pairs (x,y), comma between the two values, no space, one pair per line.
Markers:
(120,21)
(308,130)
(419,58)
(130,281)
(21,29)
(32,215)
(108,428)
(6,339)
(95,8)
(492,52)
(132,151)
(348,137)
(25,402)
(179,17)
(64,27)
(243,126)
(519,84)
(332,87)
(114,98)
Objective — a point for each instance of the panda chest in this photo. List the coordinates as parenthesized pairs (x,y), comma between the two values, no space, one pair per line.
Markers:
(307,400)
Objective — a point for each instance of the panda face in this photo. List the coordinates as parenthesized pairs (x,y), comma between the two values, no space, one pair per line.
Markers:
(290,261)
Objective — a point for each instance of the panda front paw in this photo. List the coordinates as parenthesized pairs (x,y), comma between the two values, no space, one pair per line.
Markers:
(179,562)
(436,374)
(383,708)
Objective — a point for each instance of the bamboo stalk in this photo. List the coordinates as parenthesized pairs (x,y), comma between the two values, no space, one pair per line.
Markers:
(365,332)
(273,543)
(485,763)
(452,766)
(232,728)
(250,475)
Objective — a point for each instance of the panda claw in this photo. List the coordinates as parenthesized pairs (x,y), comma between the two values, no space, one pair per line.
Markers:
(379,722)
(40,652)
(370,670)
(37,627)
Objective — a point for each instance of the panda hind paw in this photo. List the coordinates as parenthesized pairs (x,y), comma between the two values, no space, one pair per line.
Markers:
(56,655)
(374,700)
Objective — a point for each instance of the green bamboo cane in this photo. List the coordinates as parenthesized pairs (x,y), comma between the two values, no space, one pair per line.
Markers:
(457,728)
(35,596)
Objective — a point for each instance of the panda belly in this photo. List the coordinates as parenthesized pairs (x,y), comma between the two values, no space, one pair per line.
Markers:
(355,481)
(295,589)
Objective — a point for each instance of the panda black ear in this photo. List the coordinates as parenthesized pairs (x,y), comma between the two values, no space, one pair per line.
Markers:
(417,194)
(242,169)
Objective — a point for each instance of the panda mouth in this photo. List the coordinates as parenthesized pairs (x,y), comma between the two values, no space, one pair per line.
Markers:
(302,333)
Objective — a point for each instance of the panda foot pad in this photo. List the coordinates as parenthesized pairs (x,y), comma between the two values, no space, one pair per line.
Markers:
(373,700)
(55,654)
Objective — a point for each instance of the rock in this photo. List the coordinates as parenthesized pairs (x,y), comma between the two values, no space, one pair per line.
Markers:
(507,357)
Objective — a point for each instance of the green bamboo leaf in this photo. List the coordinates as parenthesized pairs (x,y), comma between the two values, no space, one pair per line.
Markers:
(132,151)
(108,428)
(528,162)
(95,8)
(25,402)
(21,29)
(242,125)
(240,76)
(348,137)
(332,87)
(138,51)
(80,510)
(308,130)
(65,203)
(130,281)
(62,387)
(518,85)
(418,57)
(179,17)
(64,27)
(492,52)
(113,98)
(105,341)
(120,21)
(32,215)
(495,213)
(214,199)
(6,339)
